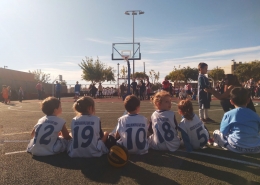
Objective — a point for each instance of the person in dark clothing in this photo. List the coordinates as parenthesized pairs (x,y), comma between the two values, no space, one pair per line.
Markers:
(231,82)
(142,89)
(134,86)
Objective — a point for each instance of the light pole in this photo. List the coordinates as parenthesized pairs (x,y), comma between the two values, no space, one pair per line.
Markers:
(118,77)
(134,12)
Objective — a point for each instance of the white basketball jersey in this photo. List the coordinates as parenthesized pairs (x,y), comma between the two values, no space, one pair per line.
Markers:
(46,137)
(86,141)
(133,133)
(165,135)
(195,131)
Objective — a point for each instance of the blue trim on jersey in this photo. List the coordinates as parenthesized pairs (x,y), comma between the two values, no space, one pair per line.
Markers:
(160,111)
(132,114)
(186,140)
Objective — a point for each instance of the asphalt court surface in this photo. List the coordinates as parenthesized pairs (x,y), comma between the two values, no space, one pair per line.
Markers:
(211,165)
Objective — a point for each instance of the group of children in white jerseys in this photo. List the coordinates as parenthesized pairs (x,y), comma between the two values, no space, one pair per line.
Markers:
(134,131)
(107,92)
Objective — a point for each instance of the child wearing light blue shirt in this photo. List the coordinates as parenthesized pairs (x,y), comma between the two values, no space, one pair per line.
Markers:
(240,127)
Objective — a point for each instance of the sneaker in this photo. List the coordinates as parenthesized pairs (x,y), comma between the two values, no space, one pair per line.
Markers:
(210,141)
(209,120)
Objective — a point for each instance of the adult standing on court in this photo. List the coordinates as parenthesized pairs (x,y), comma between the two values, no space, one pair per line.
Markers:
(58,90)
(100,89)
(134,85)
(122,90)
(77,91)
(231,82)
(148,88)
(39,90)
(165,85)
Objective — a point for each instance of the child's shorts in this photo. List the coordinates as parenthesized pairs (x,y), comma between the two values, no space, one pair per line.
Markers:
(204,105)
(223,143)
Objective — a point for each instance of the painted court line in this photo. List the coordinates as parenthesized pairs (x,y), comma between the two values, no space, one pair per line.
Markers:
(16,133)
(198,153)
(228,159)
(16,152)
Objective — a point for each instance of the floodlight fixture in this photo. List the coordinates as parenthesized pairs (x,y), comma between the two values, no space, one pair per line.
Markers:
(134,12)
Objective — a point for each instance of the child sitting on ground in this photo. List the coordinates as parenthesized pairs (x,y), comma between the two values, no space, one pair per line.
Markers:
(46,139)
(193,131)
(163,124)
(132,128)
(88,138)
(240,127)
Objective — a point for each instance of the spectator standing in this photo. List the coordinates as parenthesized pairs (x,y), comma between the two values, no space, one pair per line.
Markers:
(134,86)
(20,94)
(39,90)
(58,90)
(148,88)
(9,93)
(77,91)
(100,89)
(122,90)
(165,85)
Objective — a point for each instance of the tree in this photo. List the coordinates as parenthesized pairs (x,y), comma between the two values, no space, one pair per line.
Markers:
(248,70)
(140,75)
(154,76)
(96,71)
(63,82)
(41,76)
(217,74)
(123,72)
(183,74)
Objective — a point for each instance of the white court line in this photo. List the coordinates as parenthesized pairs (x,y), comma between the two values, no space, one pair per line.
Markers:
(16,152)
(198,153)
(225,158)
(16,141)
(16,133)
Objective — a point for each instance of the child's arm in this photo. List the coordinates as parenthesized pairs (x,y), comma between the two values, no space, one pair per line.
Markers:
(186,140)
(219,96)
(33,133)
(225,125)
(65,132)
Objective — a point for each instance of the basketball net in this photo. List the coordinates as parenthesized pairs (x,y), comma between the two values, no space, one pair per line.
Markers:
(125,57)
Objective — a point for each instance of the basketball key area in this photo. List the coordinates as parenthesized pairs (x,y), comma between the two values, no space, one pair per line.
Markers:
(211,165)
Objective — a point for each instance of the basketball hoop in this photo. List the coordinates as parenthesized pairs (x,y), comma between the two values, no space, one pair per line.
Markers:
(125,57)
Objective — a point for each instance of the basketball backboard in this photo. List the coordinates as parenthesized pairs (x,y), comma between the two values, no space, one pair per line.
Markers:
(120,50)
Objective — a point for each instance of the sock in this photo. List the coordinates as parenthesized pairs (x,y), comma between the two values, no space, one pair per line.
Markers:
(206,113)
(201,115)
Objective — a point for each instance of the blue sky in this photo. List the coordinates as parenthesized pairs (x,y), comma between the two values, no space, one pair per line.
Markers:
(55,36)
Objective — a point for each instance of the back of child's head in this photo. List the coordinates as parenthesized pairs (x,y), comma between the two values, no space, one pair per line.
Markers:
(202,65)
(158,97)
(185,108)
(83,104)
(131,103)
(49,104)
(239,96)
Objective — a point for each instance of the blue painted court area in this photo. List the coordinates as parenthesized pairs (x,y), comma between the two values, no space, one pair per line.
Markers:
(211,165)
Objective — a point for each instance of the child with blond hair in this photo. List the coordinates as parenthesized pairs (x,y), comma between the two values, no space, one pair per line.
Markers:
(163,124)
